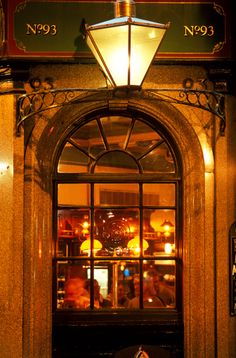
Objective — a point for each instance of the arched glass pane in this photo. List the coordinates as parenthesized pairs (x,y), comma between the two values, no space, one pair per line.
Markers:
(116,136)
(73,160)
(142,139)
(116,130)
(89,138)
(159,160)
(116,162)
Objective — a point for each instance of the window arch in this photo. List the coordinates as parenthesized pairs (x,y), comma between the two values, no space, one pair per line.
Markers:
(117,241)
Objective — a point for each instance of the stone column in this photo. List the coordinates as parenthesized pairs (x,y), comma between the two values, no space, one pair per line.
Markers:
(11,228)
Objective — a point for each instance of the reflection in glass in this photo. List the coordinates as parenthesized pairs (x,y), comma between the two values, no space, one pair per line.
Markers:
(114,144)
(89,138)
(142,138)
(116,130)
(159,160)
(116,162)
(73,160)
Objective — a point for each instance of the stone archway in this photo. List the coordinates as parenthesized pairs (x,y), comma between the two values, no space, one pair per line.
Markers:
(41,152)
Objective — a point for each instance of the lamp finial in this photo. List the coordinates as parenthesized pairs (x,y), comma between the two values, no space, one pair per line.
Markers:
(125,8)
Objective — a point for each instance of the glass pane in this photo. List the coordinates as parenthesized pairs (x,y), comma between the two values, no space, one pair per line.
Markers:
(142,139)
(116,194)
(73,194)
(70,282)
(98,288)
(144,39)
(121,288)
(159,194)
(116,130)
(114,228)
(158,286)
(89,138)
(115,285)
(115,59)
(73,230)
(72,160)
(159,160)
(159,277)
(116,162)
(159,231)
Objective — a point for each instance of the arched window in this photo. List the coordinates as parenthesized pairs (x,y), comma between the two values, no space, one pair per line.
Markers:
(117,231)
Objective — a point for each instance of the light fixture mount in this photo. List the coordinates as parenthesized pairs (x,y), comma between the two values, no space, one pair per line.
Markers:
(125,8)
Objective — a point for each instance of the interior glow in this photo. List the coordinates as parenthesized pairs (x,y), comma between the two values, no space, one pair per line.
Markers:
(168,248)
(86,246)
(134,245)
(85,224)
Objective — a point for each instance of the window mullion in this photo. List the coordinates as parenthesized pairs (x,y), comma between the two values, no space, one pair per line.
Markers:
(92,247)
(141,242)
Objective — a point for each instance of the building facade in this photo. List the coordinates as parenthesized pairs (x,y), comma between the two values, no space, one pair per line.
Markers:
(81,162)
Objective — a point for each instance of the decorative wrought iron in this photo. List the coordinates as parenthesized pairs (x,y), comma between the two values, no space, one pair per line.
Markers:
(30,104)
(211,101)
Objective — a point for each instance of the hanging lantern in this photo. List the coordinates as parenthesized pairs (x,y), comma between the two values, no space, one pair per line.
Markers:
(125,46)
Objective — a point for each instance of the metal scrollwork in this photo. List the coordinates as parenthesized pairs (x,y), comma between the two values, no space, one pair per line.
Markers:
(42,100)
(211,101)
(36,102)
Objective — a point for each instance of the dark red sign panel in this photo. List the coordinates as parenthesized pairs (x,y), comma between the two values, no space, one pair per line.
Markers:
(51,29)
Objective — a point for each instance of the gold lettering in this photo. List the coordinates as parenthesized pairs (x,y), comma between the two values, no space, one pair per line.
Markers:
(211,31)
(187,30)
(31,29)
(203,30)
(53,30)
(198,30)
(41,29)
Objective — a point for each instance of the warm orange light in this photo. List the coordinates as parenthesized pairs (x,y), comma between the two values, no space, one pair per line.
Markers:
(125,47)
(86,246)
(131,229)
(168,248)
(134,245)
(85,225)
(167,225)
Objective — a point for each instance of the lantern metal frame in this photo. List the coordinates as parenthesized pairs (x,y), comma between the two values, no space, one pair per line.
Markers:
(131,24)
(118,56)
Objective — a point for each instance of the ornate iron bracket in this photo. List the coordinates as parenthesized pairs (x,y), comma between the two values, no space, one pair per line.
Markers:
(30,104)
